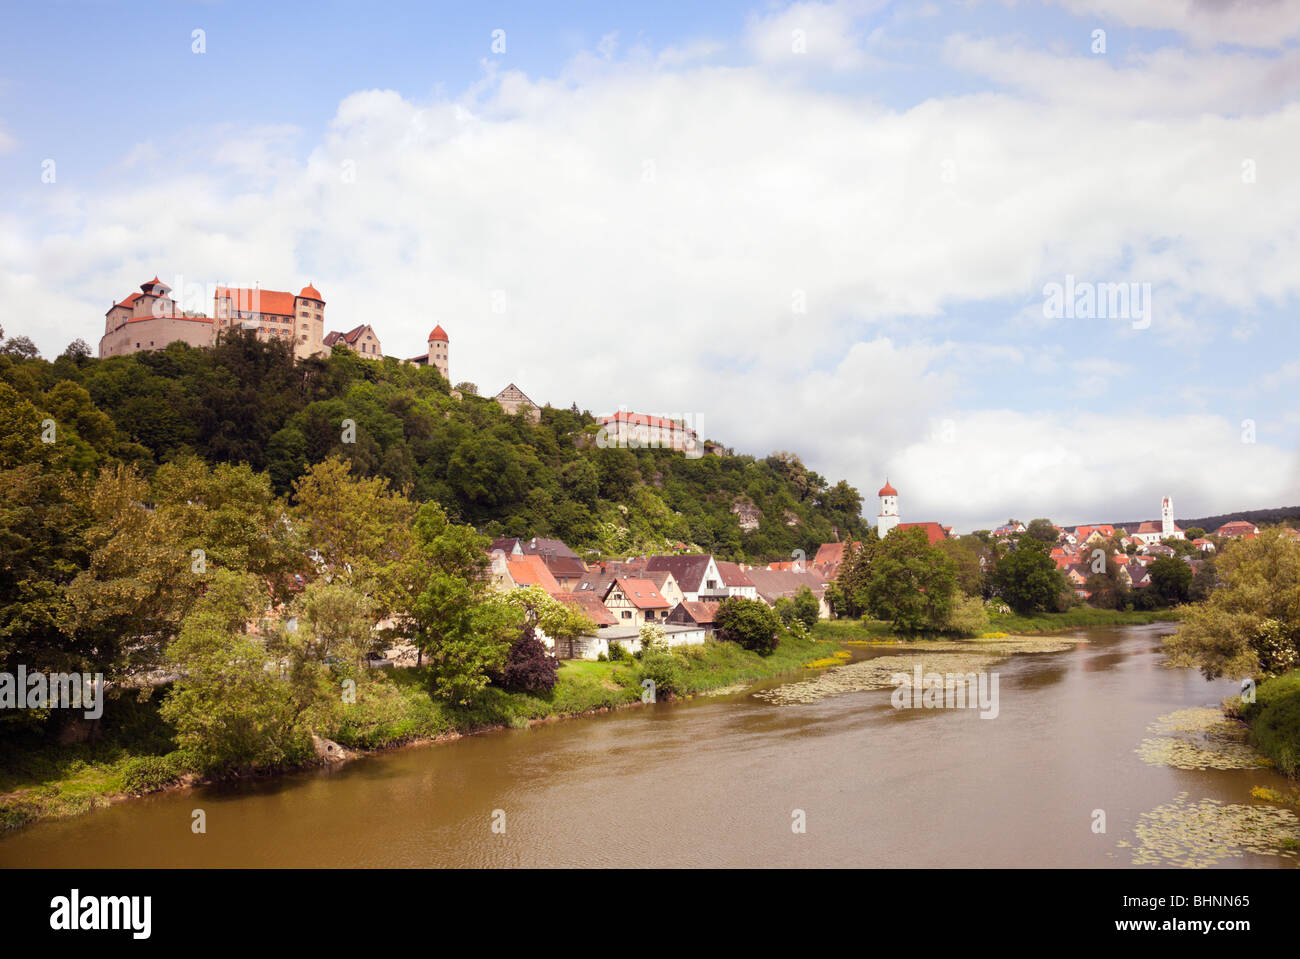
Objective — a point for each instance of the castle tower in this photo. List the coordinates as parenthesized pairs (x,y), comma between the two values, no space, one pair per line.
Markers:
(307,325)
(888,518)
(1167,517)
(438,348)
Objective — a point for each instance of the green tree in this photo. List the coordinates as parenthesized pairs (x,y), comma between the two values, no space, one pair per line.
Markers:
(1171,580)
(806,608)
(1250,626)
(1027,578)
(751,623)
(229,710)
(910,584)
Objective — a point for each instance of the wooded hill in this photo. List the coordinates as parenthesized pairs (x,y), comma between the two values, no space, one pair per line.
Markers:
(245,401)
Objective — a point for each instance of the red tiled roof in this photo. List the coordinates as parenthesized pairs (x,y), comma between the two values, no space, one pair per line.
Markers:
(698,611)
(310,292)
(590,604)
(887,490)
(277,302)
(641,593)
(438,333)
(733,575)
(644,419)
(531,571)
(932,530)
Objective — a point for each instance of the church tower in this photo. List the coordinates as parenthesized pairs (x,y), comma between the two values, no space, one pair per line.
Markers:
(888,518)
(1167,517)
(438,345)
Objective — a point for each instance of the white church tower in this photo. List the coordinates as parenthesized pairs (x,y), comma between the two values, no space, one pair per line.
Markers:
(1167,528)
(888,518)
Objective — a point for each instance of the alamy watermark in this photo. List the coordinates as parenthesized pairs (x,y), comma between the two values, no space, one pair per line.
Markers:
(946,691)
(675,431)
(1083,300)
(36,690)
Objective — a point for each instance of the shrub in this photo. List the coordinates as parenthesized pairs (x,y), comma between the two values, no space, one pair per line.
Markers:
(529,667)
(147,774)
(1274,719)
(968,617)
(664,669)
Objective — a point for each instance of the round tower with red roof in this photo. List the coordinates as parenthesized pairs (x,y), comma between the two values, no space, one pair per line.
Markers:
(888,517)
(438,350)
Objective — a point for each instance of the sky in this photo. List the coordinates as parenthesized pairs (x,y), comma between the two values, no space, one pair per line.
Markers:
(1021,258)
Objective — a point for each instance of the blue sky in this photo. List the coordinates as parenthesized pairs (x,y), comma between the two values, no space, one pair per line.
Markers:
(651,189)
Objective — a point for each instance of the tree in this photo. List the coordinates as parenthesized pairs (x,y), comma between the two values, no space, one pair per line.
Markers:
(1028,580)
(750,623)
(854,573)
(910,583)
(806,608)
(970,557)
(231,712)
(1194,533)
(1042,530)
(1250,626)
(1171,580)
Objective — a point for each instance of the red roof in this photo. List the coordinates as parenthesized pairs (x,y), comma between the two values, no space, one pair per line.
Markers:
(644,419)
(531,571)
(276,302)
(642,593)
(590,604)
(933,530)
(887,490)
(310,292)
(438,333)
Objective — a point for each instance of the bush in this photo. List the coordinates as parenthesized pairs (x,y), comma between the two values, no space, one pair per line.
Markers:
(618,653)
(1274,719)
(529,667)
(664,669)
(748,622)
(147,774)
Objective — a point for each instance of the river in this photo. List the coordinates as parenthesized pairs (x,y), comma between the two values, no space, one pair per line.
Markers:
(716,782)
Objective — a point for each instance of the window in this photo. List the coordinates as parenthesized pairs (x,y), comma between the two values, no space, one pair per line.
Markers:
(627,614)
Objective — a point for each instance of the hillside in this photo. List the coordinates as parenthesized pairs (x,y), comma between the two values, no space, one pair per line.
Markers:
(1260,517)
(248,401)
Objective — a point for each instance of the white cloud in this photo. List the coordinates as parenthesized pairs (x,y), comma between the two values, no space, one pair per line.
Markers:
(1087,468)
(1252,23)
(811,35)
(653,233)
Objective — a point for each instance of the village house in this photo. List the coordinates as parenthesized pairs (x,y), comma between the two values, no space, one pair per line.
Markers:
(564,564)
(700,614)
(629,637)
(735,582)
(635,602)
(362,340)
(1237,529)
(696,573)
(772,585)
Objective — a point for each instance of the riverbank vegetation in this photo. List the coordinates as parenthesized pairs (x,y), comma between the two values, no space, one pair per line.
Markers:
(137,751)
(1249,628)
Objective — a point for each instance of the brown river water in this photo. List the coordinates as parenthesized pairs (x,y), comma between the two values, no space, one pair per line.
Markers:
(715,782)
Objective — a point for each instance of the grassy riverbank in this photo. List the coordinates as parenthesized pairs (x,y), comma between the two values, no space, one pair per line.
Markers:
(135,753)
(1082,617)
(1274,719)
